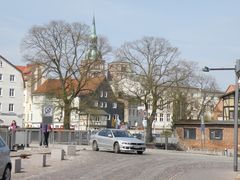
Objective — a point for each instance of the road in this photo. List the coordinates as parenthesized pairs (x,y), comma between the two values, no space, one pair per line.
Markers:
(152,165)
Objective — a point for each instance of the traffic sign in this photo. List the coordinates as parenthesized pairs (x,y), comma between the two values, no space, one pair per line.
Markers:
(47,111)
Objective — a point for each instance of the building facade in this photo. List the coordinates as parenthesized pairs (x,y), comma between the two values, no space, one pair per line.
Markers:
(224,110)
(95,107)
(11,93)
(214,135)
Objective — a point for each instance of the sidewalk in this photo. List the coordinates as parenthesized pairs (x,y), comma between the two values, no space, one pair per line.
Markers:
(32,160)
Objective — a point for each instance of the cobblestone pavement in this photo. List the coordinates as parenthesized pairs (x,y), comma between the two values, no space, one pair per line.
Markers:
(152,165)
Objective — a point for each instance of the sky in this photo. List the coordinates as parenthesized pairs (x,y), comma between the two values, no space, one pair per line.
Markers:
(206,31)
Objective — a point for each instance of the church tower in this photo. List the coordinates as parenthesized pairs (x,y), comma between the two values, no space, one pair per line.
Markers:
(93,62)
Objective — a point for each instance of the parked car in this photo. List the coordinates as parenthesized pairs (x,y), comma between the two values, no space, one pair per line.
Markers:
(117,140)
(5,162)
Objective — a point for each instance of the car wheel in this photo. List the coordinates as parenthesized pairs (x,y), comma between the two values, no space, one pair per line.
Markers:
(139,152)
(116,148)
(7,173)
(95,146)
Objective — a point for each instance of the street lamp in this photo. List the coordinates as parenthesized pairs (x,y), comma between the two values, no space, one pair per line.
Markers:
(237,70)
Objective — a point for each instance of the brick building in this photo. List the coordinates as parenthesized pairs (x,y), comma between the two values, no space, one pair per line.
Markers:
(217,135)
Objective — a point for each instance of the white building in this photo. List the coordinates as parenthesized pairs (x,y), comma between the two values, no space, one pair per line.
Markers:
(33,78)
(11,93)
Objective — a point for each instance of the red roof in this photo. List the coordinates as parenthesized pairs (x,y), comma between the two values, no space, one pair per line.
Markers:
(54,86)
(25,69)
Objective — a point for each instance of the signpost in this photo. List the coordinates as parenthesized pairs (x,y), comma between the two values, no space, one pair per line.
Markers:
(47,116)
(202,132)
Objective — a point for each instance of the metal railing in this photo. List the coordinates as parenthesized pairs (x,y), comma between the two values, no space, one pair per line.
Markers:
(27,136)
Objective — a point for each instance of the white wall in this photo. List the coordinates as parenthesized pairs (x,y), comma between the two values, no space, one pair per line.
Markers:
(6,70)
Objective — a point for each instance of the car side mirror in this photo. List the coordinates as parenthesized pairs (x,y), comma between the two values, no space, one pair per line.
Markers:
(109,135)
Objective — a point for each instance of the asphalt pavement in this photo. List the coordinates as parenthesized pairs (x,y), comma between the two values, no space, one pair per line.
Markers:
(154,164)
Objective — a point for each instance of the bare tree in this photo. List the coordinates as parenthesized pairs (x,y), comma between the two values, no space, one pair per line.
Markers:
(59,47)
(195,97)
(156,70)
(103,46)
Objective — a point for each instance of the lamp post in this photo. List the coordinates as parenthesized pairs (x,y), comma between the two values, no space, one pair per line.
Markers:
(237,70)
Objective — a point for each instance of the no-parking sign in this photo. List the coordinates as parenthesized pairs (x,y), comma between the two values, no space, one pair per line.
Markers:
(47,113)
(47,110)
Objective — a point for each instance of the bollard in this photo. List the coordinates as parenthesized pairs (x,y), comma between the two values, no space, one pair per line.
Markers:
(57,154)
(44,162)
(17,165)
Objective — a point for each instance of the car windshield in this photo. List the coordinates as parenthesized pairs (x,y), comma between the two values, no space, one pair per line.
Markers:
(118,133)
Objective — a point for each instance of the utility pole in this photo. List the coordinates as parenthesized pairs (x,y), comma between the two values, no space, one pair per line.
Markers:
(236,102)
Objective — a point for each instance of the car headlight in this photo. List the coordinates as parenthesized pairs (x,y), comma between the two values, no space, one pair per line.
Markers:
(126,143)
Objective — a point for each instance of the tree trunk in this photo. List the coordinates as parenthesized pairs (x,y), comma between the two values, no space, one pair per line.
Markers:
(67,116)
(148,137)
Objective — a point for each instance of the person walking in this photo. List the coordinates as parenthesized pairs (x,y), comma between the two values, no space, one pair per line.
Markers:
(45,130)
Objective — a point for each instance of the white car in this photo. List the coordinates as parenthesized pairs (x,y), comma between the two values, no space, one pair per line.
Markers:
(117,140)
(5,162)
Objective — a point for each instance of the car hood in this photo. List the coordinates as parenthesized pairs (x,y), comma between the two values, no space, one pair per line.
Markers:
(130,140)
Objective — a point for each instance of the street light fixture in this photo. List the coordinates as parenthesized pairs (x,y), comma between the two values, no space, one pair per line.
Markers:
(237,70)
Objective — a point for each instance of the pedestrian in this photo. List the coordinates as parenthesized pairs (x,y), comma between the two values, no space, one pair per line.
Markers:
(13,126)
(12,134)
(45,130)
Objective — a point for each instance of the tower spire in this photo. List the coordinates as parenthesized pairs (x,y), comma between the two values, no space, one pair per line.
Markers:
(93,26)
(93,52)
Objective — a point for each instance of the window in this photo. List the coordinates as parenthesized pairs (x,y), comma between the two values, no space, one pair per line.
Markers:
(11,92)
(161,116)
(168,117)
(231,114)
(11,107)
(1,63)
(216,134)
(105,104)
(12,78)
(168,105)
(101,94)
(1,77)
(103,133)
(105,94)
(189,133)
(0,91)
(114,105)
(96,103)
(133,112)
(0,106)
(161,105)
(101,104)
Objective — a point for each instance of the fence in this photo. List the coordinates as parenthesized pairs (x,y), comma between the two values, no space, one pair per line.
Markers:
(26,136)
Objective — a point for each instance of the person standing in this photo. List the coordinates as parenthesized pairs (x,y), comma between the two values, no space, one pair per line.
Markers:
(45,130)
(12,129)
